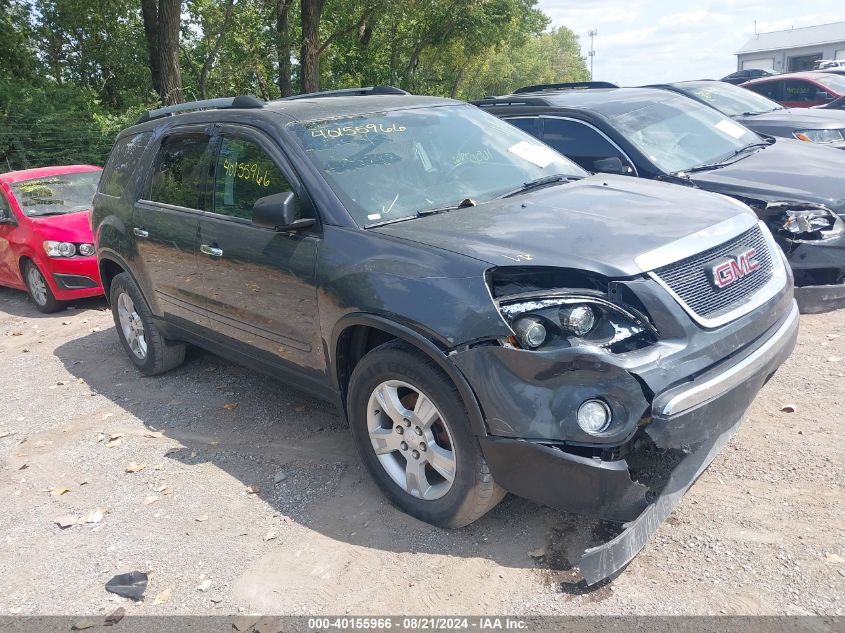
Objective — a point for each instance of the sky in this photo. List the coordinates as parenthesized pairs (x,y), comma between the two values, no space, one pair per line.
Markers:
(647,41)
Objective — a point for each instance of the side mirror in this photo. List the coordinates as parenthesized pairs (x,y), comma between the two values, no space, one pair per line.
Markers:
(821,95)
(612,165)
(280,212)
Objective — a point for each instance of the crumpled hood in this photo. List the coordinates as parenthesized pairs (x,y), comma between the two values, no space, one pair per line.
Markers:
(70,227)
(601,223)
(788,170)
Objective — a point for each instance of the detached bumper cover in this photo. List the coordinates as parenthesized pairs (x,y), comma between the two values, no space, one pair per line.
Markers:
(693,421)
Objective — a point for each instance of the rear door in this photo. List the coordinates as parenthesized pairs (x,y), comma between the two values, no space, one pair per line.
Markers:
(166,226)
(259,283)
(798,93)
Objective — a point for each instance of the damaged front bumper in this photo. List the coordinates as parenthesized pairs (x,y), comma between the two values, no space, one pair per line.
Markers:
(690,422)
(819,270)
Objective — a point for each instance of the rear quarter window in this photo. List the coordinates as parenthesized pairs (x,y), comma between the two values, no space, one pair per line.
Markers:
(125,154)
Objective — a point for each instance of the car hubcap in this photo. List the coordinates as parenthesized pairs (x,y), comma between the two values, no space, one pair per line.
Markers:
(132,326)
(37,286)
(411,440)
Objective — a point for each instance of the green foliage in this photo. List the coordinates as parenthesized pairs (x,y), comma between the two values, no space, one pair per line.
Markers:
(74,72)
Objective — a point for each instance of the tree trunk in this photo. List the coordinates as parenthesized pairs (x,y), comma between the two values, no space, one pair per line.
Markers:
(283,46)
(309,54)
(149,9)
(169,19)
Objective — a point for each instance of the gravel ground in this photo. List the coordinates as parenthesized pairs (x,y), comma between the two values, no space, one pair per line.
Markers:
(251,499)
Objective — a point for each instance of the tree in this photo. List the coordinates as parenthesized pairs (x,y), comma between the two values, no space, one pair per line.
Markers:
(284,46)
(162,22)
(309,52)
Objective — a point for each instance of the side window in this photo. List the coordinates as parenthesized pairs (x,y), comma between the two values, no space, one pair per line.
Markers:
(526,124)
(5,208)
(579,142)
(244,174)
(122,160)
(770,89)
(181,170)
(795,90)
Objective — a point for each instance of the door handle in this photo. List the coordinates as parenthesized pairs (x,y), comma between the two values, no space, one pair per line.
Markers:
(211,251)
(140,232)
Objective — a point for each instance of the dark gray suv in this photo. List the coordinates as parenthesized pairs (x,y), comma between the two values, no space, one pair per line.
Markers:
(486,315)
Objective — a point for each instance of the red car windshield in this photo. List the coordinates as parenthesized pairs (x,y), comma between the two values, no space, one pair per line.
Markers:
(57,194)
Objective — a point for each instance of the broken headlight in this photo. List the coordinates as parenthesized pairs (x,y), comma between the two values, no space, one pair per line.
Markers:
(803,221)
(571,320)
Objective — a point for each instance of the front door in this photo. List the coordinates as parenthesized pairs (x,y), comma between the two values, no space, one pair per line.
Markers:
(166,227)
(259,283)
(9,275)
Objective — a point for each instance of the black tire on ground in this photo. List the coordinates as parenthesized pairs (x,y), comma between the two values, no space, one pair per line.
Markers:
(44,299)
(473,492)
(161,355)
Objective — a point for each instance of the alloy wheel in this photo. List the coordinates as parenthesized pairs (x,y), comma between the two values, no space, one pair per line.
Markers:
(37,285)
(132,326)
(411,440)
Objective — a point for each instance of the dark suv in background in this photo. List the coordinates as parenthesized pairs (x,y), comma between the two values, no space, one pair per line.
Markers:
(486,315)
(747,74)
(656,134)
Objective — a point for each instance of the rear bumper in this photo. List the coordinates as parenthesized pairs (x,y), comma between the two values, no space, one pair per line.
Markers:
(689,425)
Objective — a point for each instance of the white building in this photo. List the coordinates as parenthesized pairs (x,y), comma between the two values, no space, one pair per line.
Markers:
(793,50)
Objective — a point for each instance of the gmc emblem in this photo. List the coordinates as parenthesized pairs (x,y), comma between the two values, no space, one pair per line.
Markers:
(735,268)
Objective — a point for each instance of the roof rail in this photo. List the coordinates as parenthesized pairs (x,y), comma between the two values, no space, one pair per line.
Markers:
(350,92)
(583,85)
(244,101)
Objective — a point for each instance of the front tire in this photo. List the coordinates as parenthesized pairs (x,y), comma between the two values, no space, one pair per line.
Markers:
(148,350)
(413,433)
(39,290)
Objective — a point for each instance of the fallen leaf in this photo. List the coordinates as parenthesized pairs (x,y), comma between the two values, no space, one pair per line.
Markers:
(163,597)
(58,492)
(253,489)
(170,451)
(83,624)
(201,518)
(65,322)
(17,333)
(23,466)
(204,585)
(271,534)
(114,617)
(150,500)
(135,467)
(230,406)
(788,408)
(66,521)
(5,434)
(100,437)
(114,443)
(154,434)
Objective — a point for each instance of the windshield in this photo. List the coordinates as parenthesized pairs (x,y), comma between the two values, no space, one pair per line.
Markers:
(834,82)
(729,99)
(392,165)
(677,134)
(57,194)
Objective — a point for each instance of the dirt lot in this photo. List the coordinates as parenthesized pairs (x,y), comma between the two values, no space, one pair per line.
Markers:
(762,532)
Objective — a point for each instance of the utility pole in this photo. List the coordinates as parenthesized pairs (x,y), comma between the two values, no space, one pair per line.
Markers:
(592,52)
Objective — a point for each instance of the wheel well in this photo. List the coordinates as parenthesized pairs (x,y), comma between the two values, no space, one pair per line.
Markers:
(108,271)
(353,344)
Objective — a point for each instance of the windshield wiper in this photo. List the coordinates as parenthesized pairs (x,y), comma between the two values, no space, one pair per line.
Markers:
(726,160)
(539,182)
(466,202)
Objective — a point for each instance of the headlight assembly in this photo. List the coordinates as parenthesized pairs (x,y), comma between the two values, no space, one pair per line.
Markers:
(819,136)
(569,320)
(59,249)
(805,222)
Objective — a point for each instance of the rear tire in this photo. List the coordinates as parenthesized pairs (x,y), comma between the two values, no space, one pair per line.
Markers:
(148,350)
(39,291)
(432,468)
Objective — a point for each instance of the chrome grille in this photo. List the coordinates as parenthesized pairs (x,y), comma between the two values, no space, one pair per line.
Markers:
(689,278)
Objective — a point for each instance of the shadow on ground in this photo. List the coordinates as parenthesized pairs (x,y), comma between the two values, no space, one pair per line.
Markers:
(275,429)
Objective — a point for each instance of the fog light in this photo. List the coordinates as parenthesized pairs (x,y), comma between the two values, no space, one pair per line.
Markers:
(594,416)
(530,331)
(578,319)
(86,249)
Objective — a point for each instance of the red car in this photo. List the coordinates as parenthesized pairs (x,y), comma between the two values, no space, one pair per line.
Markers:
(46,244)
(799,90)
